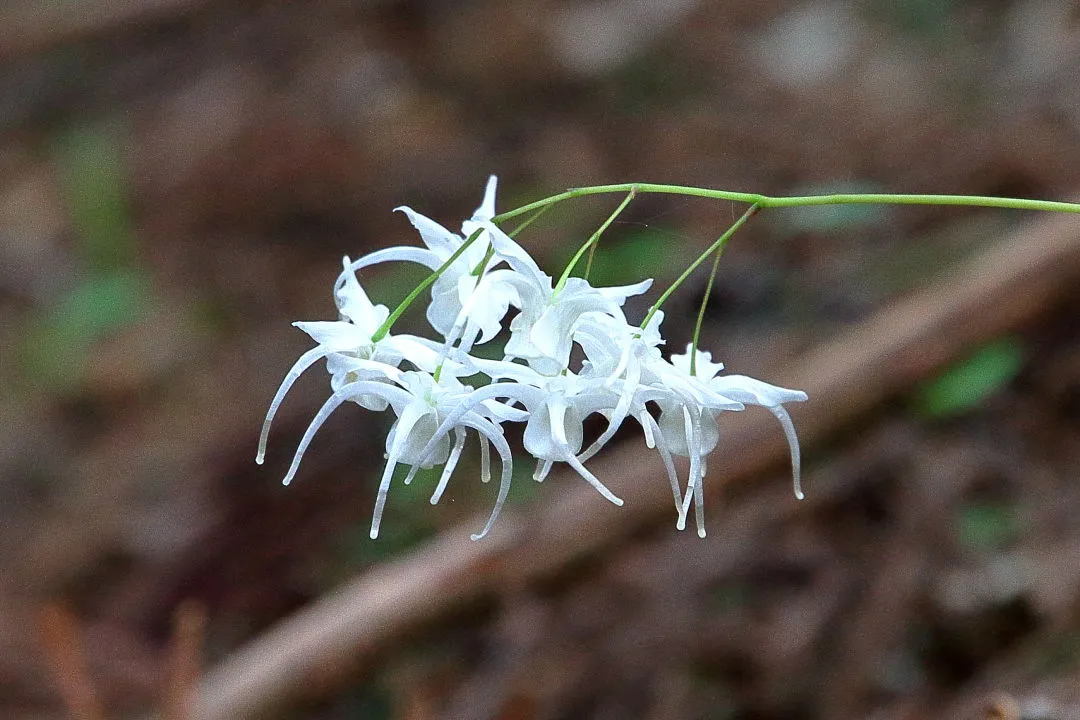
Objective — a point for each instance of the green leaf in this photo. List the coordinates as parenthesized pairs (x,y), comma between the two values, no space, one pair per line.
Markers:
(57,348)
(970,382)
(91,162)
(987,526)
(102,304)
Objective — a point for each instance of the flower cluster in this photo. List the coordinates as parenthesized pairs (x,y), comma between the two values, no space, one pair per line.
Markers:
(477,277)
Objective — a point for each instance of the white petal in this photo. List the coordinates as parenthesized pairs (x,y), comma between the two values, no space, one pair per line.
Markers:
(392,393)
(554,430)
(451,463)
(440,240)
(416,450)
(364,369)
(699,507)
(515,372)
(647,426)
(486,303)
(486,211)
(538,436)
(650,427)
(303,363)
(354,304)
(695,474)
(445,304)
(421,352)
(336,336)
(551,333)
(380,498)
(616,417)
(476,397)
(793,446)
(621,292)
(485,460)
(600,345)
(673,430)
(630,385)
(693,423)
(557,412)
(708,432)
(469,338)
(501,412)
(345,369)
(491,433)
(754,392)
(520,260)
(421,256)
(395,441)
(592,479)
(543,467)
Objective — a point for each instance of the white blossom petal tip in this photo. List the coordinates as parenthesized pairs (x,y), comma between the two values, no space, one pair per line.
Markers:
(486,211)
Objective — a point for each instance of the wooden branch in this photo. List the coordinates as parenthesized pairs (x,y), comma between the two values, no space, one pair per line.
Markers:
(1000,290)
(41,25)
(185,653)
(61,640)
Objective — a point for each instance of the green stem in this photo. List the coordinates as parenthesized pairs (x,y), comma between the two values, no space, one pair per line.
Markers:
(766,201)
(588,261)
(482,265)
(400,309)
(591,242)
(715,247)
(701,310)
(529,221)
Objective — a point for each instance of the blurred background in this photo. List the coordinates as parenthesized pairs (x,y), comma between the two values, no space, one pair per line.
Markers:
(179,180)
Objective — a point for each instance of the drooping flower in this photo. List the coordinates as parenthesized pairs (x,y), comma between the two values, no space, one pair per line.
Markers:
(688,415)
(467,299)
(350,337)
(620,355)
(421,403)
(555,408)
(353,353)
(542,333)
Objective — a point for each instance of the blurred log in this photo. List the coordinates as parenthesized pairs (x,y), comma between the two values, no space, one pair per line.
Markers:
(185,653)
(41,25)
(998,291)
(62,643)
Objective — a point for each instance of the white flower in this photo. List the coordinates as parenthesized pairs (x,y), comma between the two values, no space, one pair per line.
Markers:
(687,421)
(353,354)
(620,355)
(467,299)
(360,357)
(542,333)
(421,404)
(557,406)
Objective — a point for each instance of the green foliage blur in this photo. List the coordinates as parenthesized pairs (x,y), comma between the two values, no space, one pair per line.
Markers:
(968,383)
(110,291)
